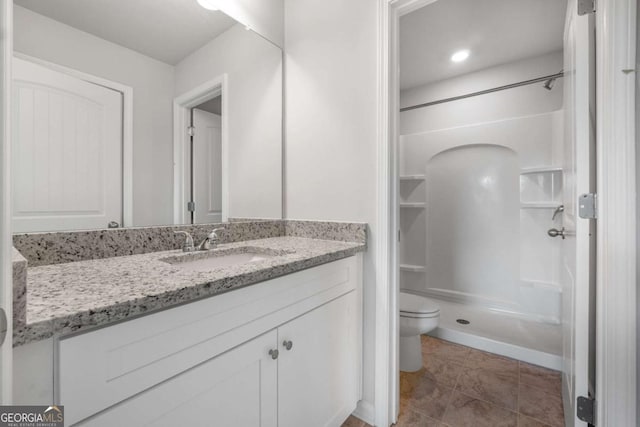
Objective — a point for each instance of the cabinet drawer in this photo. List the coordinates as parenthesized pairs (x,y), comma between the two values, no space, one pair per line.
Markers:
(101,368)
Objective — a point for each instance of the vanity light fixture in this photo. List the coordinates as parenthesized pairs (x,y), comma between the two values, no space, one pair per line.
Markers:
(209,4)
(459,56)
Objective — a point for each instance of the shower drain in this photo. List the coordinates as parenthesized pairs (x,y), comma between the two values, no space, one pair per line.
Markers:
(463,321)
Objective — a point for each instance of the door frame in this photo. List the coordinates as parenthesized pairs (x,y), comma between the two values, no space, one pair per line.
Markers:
(6,246)
(182,106)
(616,294)
(127,125)
(387,368)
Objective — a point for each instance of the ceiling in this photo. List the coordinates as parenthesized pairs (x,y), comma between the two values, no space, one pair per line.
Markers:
(167,30)
(495,31)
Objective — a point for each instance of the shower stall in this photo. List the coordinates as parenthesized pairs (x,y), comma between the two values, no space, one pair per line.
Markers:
(476,204)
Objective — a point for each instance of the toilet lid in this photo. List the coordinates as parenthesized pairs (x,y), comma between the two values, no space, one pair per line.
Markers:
(416,304)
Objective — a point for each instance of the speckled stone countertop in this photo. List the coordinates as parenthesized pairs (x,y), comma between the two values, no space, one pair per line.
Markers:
(70,297)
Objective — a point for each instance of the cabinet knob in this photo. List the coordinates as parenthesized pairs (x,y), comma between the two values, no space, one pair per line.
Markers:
(274,353)
(287,344)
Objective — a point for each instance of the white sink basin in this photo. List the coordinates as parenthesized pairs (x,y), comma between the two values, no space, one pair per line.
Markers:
(207,261)
(211,263)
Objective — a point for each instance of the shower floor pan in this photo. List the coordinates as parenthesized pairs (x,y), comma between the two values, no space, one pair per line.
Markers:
(530,341)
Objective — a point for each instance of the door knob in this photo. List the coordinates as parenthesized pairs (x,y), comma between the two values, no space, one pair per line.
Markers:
(287,344)
(274,353)
(555,233)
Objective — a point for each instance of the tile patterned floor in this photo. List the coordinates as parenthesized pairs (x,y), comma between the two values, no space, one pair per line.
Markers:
(462,387)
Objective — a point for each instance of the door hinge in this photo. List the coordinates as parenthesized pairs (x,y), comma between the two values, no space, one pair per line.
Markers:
(586,7)
(191,130)
(588,206)
(586,409)
(399,236)
(191,206)
(3,326)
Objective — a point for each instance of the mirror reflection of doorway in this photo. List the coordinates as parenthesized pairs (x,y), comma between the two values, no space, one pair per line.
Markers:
(206,162)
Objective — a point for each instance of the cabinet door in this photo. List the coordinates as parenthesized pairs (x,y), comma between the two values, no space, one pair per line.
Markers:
(318,378)
(237,388)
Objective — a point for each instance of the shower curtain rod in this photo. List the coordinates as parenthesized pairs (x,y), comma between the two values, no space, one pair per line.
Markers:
(484,92)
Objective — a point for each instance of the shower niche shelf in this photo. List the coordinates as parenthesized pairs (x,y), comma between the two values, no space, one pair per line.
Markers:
(413,268)
(412,178)
(540,170)
(411,205)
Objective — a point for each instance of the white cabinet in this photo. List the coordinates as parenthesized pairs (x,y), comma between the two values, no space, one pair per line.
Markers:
(318,383)
(312,380)
(208,362)
(235,389)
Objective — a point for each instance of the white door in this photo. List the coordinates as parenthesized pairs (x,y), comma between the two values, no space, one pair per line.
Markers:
(66,151)
(578,249)
(237,388)
(318,375)
(207,167)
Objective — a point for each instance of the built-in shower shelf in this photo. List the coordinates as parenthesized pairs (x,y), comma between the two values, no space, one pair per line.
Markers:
(412,178)
(413,205)
(413,268)
(545,169)
(542,205)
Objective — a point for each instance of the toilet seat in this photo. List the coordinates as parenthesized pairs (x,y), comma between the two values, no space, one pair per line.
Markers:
(417,307)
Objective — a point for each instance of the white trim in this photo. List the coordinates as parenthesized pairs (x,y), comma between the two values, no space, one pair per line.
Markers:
(616,235)
(6,247)
(386,368)
(387,371)
(127,126)
(181,106)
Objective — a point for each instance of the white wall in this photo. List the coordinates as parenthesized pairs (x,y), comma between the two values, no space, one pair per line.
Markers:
(153,90)
(254,69)
(331,125)
(264,16)
(522,101)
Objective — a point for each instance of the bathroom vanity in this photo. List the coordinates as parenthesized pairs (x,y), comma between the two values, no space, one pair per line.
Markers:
(272,339)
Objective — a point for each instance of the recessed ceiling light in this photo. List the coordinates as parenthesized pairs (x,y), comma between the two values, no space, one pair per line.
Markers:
(459,56)
(209,4)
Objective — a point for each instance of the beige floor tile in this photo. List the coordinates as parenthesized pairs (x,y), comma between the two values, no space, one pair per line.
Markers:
(536,403)
(543,378)
(491,386)
(465,411)
(530,422)
(420,392)
(441,370)
(353,422)
(412,418)
(484,360)
(443,349)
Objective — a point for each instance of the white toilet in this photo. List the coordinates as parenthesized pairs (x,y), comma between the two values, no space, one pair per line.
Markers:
(418,315)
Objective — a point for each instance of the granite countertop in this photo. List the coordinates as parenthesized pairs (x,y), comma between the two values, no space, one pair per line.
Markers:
(70,297)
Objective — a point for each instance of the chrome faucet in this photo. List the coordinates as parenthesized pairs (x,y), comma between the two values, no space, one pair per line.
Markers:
(211,240)
(188,241)
(558,210)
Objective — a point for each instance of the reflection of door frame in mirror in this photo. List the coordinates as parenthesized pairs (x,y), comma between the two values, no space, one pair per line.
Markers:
(127,126)
(182,106)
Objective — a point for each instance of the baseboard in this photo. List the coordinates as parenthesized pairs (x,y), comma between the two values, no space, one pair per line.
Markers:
(547,360)
(366,412)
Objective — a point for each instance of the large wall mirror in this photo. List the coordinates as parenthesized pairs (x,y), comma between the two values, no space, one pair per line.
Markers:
(142,112)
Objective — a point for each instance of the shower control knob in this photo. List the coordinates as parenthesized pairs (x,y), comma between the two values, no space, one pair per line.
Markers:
(555,233)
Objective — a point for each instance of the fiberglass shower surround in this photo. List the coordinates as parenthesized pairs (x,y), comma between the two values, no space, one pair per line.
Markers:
(472,215)
(476,204)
